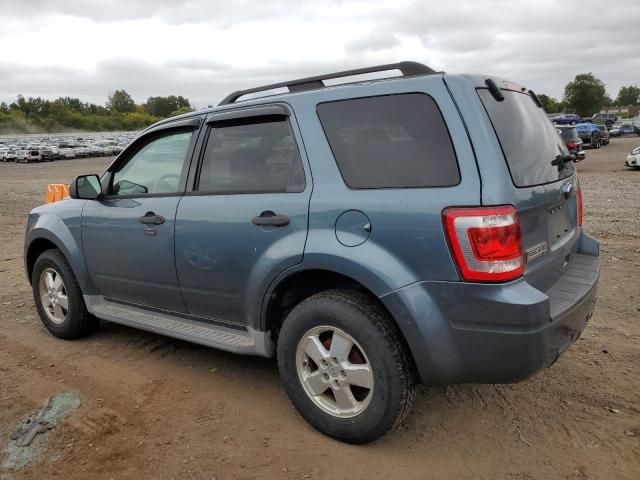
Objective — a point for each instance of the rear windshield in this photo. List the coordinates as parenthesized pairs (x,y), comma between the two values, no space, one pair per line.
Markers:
(569,133)
(391,141)
(528,139)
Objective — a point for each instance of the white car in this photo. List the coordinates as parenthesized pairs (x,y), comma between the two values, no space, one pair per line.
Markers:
(22,156)
(633,159)
(4,153)
(67,153)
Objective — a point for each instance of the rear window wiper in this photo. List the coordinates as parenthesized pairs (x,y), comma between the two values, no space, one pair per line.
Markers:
(560,161)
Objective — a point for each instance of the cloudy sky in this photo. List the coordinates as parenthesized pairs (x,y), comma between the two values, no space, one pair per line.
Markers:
(203,49)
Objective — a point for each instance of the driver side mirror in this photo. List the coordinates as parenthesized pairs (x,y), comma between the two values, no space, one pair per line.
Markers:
(86,187)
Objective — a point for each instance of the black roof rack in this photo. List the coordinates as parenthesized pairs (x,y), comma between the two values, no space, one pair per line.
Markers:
(314,83)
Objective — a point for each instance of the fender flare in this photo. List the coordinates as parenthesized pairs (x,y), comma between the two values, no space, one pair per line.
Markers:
(54,230)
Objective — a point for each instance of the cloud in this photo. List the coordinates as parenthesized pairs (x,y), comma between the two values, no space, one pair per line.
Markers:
(373,42)
(204,49)
(220,12)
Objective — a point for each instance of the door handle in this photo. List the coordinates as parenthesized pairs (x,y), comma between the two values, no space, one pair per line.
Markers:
(151,218)
(269,218)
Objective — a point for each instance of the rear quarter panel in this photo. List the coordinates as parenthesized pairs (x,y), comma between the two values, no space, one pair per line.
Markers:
(407,243)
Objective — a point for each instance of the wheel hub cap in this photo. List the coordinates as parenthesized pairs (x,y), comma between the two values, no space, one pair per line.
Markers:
(53,295)
(334,371)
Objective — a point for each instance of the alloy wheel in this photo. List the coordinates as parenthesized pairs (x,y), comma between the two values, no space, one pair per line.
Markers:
(334,371)
(53,295)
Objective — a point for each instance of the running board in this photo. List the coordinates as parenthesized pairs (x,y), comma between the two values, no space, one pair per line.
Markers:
(245,342)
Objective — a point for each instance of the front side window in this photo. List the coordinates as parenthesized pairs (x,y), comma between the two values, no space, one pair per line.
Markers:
(155,168)
(256,155)
(391,141)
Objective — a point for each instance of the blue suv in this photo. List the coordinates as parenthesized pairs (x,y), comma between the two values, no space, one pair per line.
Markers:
(370,235)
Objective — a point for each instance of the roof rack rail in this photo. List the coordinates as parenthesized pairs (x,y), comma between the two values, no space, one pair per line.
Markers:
(314,83)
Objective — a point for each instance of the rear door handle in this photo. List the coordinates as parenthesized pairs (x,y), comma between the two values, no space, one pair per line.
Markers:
(269,218)
(151,218)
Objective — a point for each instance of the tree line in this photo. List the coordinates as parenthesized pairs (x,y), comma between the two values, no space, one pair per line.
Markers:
(120,112)
(587,95)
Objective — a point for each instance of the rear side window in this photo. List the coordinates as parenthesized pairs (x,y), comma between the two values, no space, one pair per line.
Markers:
(392,141)
(528,139)
(259,155)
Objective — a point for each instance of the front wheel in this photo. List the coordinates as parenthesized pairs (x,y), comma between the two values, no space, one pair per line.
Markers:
(58,297)
(345,366)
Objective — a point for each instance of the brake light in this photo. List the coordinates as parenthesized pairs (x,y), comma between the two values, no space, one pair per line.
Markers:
(485,242)
(571,145)
(579,203)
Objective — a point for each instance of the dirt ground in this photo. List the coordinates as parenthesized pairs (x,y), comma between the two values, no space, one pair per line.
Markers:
(153,407)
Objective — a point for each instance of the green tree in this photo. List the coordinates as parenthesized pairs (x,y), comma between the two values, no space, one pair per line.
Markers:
(586,95)
(163,106)
(629,95)
(120,101)
(550,104)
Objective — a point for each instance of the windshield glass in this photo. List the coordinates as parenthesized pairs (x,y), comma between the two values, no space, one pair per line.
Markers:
(569,133)
(529,141)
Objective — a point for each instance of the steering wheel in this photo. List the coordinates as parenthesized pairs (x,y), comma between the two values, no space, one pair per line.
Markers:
(164,185)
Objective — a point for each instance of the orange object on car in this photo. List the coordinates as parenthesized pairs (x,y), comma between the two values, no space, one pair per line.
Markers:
(55,192)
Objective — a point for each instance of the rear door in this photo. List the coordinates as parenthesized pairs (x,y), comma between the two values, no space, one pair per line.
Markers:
(544,179)
(246,217)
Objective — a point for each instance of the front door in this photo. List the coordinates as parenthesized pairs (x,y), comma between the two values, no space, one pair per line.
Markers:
(246,219)
(128,236)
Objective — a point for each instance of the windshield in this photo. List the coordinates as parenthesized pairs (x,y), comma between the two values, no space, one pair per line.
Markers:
(529,141)
(569,133)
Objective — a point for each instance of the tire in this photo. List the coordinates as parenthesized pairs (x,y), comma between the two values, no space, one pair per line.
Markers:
(377,344)
(76,321)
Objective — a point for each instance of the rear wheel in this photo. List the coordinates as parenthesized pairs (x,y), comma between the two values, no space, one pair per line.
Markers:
(58,297)
(345,366)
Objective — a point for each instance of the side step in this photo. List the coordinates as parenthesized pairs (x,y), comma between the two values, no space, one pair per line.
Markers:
(245,342)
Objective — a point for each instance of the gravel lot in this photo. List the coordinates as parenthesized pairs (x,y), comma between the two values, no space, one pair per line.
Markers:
(153,407)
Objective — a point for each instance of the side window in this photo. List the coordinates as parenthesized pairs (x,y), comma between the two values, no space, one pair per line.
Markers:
(256,155)
(392,141)
(155,168)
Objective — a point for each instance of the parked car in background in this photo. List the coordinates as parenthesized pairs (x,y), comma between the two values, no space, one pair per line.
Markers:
(22,156)
(590,134)
(50,153)
(11,154)
(615,131)
(35,155)
(573,141)
(604,132)
(426,251)
(607,119)
(4,151)
(567,119)
(629,129)
(633,159)
(67,153)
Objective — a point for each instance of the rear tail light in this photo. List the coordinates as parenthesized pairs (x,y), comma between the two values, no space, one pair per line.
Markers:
(571,145)
(485,242)
(579,203)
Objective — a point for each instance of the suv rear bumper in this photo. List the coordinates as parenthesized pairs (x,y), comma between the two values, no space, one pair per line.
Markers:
(479,333)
